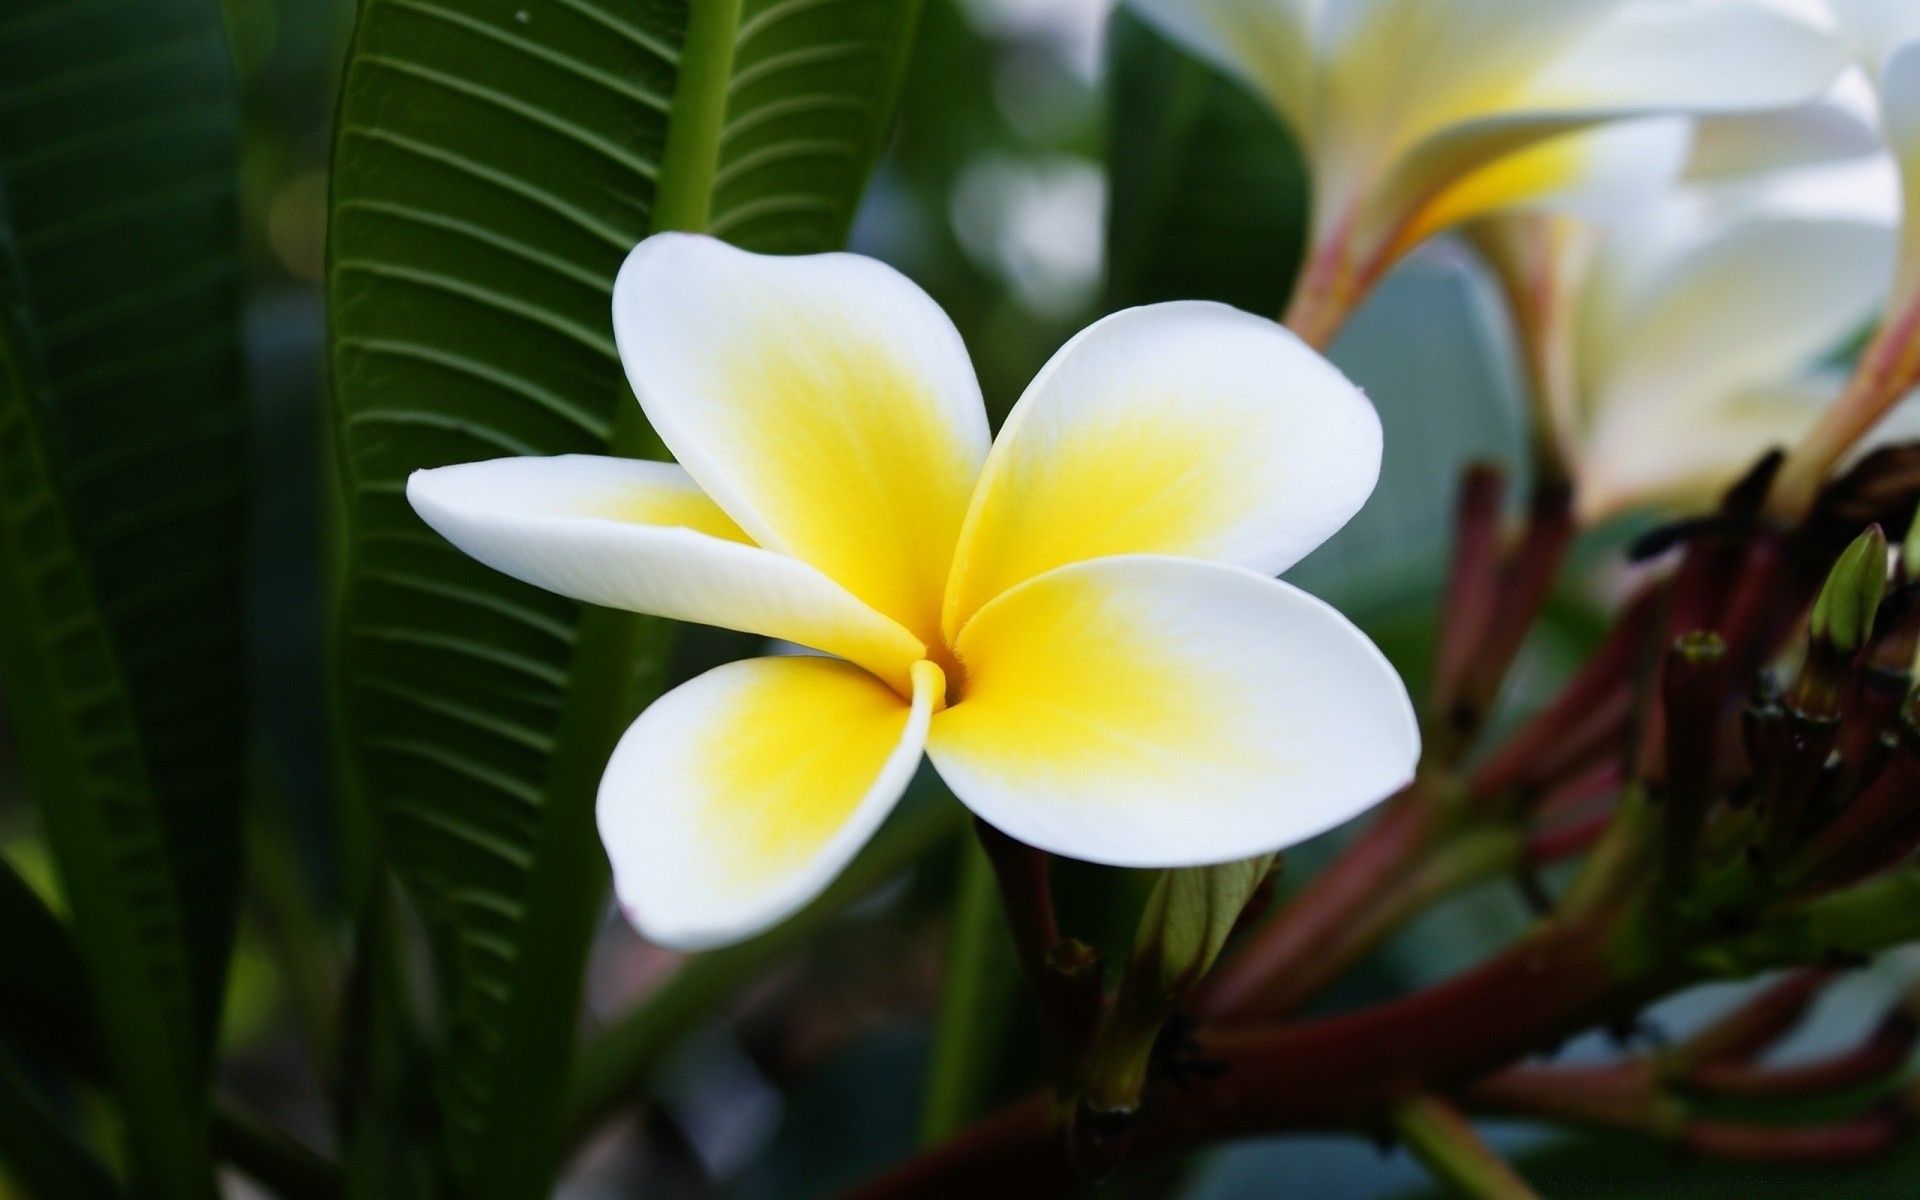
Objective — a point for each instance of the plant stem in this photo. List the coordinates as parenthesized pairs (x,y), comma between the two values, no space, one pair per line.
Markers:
(1343,1072)
(1473,592)
(1446,1143)
(1475,853)
(1257,981)
(1887,368)
(692,152)
(965,1027)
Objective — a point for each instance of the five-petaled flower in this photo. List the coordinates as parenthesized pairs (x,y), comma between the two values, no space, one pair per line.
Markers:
(1415,115)
(1078,622)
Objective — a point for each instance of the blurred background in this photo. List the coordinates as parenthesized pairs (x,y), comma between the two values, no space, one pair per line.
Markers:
(1012,170)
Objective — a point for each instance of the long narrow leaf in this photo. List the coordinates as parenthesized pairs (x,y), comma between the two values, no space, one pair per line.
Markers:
(118,152)
(495,162)
(80,746)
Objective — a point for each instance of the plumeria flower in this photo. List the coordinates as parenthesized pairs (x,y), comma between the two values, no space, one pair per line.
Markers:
(1670,346)
(1418,114)
(1884,35)
(1077,621)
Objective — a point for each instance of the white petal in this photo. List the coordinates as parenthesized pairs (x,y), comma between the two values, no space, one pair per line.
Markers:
(1658,56)
(1593,173)
(1739,144)
(740,795)
(825,402)
(1188,428)
(1684,456)
(1645,58)
(1748,308)
(1900,109)
(1877,28)
(1152,711)
(642,536)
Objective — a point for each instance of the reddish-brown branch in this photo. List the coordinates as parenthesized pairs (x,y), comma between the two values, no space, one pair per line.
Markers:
(1592,709)
(1525,585)
(1473,586)
(1027,892)
(1754,1025)
(1876,1058)
(1337,1073)
(1256,981)
(1623,1096)
(1629,1097)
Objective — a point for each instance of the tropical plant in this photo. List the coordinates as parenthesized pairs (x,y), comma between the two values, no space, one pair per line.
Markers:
(555,851)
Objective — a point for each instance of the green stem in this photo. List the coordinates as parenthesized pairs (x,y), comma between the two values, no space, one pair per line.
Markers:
(692,152)
(1447,1145)
(1863,919)
(612,1067)
(969,1008)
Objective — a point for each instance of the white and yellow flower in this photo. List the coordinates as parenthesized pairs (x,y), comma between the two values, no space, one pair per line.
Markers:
(1884,35)
(1418,114)
(1076,621)
(1683,355)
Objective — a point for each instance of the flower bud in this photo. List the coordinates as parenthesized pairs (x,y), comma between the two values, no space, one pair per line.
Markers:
(1187,921)
(1843,615)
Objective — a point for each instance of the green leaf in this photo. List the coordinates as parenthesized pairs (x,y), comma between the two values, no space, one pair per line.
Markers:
(1209,192)
(79,743)
(121,520)
(118,149)
(495,161)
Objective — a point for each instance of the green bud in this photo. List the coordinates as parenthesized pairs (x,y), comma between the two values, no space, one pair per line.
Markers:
(1185,925)
(1843,615)
(1188,918)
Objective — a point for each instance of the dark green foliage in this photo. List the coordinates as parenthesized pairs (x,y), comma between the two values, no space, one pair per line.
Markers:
(495,162)
(1209,191)
(118,158)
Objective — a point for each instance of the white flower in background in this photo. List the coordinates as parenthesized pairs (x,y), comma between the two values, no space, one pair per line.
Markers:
(1674,334)
(1076,621)
(1414,113)
(1884,38)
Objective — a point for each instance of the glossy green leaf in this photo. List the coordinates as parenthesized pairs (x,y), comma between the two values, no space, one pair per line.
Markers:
(496,160)
(79,743)
(1208,189)
(121,485)
(118,149)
